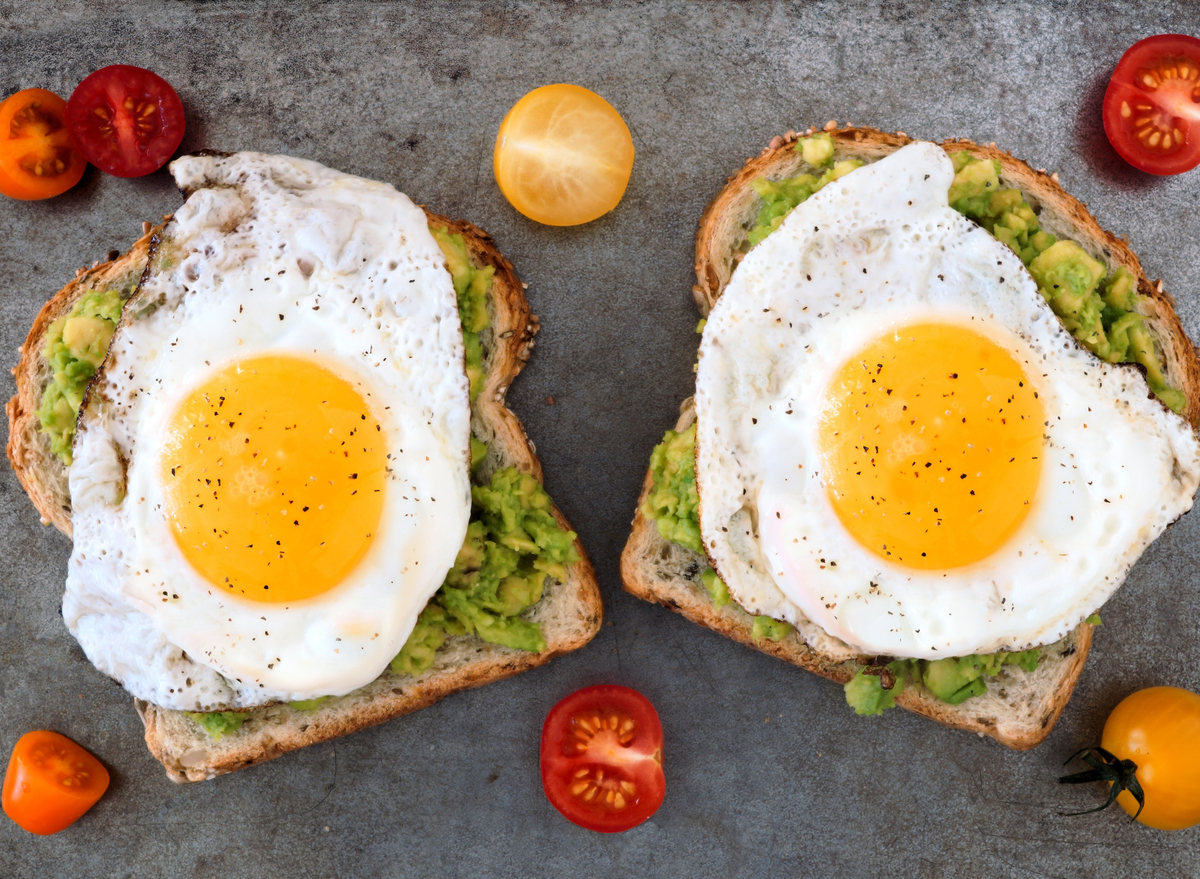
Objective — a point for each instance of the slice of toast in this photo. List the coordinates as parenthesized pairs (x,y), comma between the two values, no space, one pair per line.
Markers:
(569,613)
(1019,708)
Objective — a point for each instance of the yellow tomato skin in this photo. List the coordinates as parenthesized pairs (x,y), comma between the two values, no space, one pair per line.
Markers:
(563,155)
(1159,730)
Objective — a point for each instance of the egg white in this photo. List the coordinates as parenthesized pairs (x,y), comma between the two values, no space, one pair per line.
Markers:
(878,250)
(284,256)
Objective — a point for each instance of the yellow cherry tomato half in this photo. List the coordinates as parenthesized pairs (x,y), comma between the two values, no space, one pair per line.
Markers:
(1159,730)
(563,155)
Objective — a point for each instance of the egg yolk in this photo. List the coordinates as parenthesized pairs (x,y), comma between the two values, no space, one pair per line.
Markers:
(273,473)
(931,439)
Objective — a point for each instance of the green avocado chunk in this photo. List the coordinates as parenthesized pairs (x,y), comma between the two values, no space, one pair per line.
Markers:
(816,150)
(76,345)
(770,628)
(471,286)
(717,590)
(1099,308)
(218,723)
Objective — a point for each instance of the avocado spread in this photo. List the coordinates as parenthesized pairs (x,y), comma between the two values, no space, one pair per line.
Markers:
(674,506)
(470,286)
(218,723)
(75,347)
(513,543)
(953,680)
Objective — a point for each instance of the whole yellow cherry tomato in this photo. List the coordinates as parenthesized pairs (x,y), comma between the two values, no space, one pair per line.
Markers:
(1159,730)
(563,155)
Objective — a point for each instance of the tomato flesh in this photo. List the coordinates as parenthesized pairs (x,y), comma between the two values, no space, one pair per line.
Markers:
(126,121)
(1159,730)
(1152,105)
(602,758)
(563,155)
(37,158)
(51,782)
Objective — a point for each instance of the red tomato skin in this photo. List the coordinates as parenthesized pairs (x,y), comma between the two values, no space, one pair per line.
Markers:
(1122,88)
(24,798)
(639,761)
(122,152)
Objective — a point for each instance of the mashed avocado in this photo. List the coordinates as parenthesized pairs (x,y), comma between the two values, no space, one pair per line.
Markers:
(471,287)
(75,347)
(1098,307)
(953,680)
(674,505)
(672,502)
(218,723)
(512,545)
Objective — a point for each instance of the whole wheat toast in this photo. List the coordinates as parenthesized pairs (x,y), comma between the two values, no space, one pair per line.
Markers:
(569,612)
(1019,708)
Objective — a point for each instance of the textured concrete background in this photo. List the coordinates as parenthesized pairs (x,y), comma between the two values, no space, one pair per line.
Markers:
(768,771)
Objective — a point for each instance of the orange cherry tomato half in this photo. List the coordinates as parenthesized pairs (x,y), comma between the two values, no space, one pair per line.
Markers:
(125,120)
(602,758)
(563,155)
(1159,730)
(37,158)
(1152,106)
(50,782)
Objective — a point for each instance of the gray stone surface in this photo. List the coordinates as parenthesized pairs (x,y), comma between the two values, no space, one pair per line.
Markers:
(768,772)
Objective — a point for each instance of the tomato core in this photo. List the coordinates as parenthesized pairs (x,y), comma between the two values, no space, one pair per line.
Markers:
(602,758)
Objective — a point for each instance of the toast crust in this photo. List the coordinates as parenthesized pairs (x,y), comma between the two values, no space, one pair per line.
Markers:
(1019,709)
(570,613)
(40,472)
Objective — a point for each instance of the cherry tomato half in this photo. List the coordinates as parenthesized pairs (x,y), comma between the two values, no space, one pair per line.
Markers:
(563,155)
(125,120)
(1152,106)
(37,158)
(602,758)
(1159,730)
(50,782)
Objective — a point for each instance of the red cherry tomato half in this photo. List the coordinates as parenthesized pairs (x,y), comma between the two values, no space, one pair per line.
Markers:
(51,782)
(37,158)
(125,120)
(1152,106)
(602,758)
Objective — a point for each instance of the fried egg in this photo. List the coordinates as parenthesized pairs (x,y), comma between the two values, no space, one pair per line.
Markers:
(901,450)
(271,475)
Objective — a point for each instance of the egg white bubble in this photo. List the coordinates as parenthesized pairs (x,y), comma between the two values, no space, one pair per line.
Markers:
(878,250)
(273,255)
